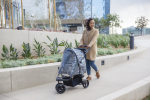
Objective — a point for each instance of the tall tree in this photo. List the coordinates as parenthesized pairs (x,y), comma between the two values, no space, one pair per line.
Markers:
(99,24)
(141,23)
(113,21)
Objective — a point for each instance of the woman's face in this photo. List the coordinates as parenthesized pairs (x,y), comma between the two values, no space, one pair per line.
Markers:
(92,24)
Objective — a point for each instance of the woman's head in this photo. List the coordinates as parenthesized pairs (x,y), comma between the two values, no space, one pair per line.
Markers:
(89,24)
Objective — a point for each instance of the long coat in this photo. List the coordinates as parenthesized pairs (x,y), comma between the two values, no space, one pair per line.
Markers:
(90,38)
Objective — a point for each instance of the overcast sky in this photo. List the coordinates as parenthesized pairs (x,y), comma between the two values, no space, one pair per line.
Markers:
(129,10)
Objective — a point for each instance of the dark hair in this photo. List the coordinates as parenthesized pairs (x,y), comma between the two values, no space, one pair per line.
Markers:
(87,22)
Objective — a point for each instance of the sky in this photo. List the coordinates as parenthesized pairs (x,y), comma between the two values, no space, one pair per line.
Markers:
(129,10)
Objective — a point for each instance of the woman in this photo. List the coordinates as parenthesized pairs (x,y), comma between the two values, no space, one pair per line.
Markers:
(89,38)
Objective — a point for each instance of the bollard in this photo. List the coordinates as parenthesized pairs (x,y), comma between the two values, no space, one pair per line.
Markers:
(131,40)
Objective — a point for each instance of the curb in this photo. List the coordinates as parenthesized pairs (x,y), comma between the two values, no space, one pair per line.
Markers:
(136,91)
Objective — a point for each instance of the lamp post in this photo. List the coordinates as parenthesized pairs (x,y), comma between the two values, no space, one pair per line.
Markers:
(32,20)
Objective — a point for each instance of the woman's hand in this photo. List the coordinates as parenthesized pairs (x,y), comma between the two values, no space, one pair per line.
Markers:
(88,46)
(79,46)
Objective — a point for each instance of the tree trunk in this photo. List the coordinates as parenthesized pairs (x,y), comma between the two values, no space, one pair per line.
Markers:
(12,14)
(49,14)
(55,15)
(112,29)
(9,16)
(99,30)
(5,13)
(0,13)
(22,15)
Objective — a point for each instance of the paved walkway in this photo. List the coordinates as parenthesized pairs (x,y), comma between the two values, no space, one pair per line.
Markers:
(112,79)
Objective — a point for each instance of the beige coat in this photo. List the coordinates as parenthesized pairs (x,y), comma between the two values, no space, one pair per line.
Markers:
(90,38)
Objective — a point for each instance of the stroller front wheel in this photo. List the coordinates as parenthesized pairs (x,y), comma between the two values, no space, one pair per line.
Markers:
(60,88)
(85,83)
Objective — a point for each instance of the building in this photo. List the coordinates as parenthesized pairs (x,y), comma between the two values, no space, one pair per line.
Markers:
(71,13)
(106,8)
(16,13)
(133,29)
(106,11)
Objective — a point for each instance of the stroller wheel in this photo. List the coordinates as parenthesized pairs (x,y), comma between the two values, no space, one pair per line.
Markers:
(60,88)
(85,83)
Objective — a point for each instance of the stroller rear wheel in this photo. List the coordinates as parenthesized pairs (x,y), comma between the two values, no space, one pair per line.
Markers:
(85,83)
(60,88)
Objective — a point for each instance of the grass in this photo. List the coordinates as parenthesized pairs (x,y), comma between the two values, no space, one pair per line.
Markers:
(26,62)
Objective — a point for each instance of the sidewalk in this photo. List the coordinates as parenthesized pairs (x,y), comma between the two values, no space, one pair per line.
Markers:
(112,79)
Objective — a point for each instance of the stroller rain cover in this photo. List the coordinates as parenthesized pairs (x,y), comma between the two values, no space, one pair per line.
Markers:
(70,60)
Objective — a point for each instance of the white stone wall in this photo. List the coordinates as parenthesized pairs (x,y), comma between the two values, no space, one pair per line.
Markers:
(17,37)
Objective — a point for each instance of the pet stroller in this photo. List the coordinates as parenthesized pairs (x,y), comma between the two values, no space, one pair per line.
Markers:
(73,66)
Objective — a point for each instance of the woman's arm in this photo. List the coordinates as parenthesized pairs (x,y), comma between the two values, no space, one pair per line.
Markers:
(94,38)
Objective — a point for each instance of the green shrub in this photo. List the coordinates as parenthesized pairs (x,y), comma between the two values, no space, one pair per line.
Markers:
(76,43)
(101,51)
(0,64)
(42,60)
(66,44)
(5,53)
(119,50)
(26,51)
(13,53)
(31,62)
(10,64)
(110,52)
(127,34)
(39,49)
(109,47)
(116,40)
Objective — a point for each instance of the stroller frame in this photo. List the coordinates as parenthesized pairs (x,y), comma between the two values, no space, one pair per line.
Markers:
(72,81)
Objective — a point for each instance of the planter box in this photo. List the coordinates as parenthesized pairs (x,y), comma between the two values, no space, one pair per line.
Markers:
(12,79)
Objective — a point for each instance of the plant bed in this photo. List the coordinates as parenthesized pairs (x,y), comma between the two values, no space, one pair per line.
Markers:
(56,58)
(146,98)
(107,45)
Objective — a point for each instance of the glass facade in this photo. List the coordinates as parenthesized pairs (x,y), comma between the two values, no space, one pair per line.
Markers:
(106,8)
(132,29)
(70,9)
(106,11)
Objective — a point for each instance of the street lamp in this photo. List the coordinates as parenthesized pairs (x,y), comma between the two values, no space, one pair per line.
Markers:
(32,20)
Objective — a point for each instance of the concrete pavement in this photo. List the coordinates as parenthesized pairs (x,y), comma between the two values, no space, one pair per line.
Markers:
(112,79)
